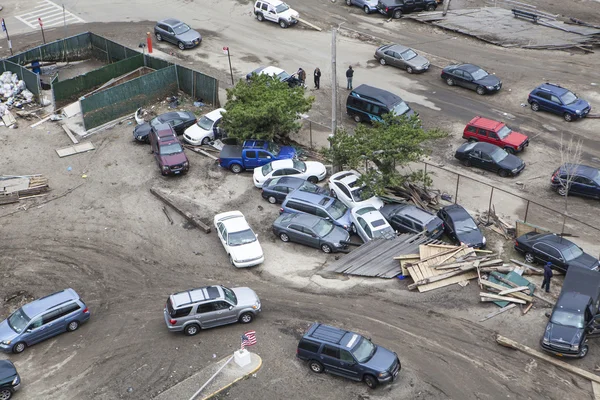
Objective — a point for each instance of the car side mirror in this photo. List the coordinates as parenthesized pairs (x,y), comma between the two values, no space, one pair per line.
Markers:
(256,235)
(29,330)
(547,314)
(230,308)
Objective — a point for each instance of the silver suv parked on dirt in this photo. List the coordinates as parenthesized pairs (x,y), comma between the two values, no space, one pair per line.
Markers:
(210,306)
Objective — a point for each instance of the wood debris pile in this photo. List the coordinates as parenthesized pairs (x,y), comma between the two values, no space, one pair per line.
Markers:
(421,197)
(15,188)
(497,224)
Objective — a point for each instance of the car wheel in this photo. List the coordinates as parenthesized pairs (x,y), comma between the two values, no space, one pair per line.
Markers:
(450,82)
(472,140)
(5,394)
(284,237)
(357,118)
(370,381)
(246,318)
(529,258)
(366,9)
(272,199)
(562,191)
(509,150)
(382,61)
(73,325)
(480,90)
(430,7)
(353,228)
(535,106)
(19,348)
(236,168)
(503,173)
(348,2)
(283,23)
(333,193)
(326,248)
(397,14)
(205,141)
(260,17)
(191,330)
(181,46)
(313,179)
(584,351)
(158,37)
(231,260)
(409,70)
(467,163)
(315,366)
(568,117)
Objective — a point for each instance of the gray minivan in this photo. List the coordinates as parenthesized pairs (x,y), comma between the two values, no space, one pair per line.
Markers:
(42,319)
(320,205)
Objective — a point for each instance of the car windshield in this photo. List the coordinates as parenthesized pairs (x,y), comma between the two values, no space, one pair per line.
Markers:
(274,148)
(281,8)
(568,98)
(266,169)
(309,187)
(283,76)
(400,108)
(504,132)
(384,233)
(464,225)
(179,29)
(205,123)
(172,148)
(242,237)
(479,74)
(572,253)
(18,320)
(323,228)
(337,209)
(409,54)
(364,350)
(365,210)
(567,318)
(498,155)
(300,165)
(229,295)
(362,194)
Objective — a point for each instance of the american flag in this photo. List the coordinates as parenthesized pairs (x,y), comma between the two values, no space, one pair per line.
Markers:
(248,339)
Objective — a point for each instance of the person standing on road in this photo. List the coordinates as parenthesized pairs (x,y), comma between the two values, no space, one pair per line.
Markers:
(301,76)
(547,276)
(317,78)
(349,75)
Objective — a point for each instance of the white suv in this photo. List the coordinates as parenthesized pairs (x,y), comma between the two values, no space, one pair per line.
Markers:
(275,11)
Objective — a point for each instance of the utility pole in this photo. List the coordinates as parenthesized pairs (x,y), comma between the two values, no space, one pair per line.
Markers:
(334,86)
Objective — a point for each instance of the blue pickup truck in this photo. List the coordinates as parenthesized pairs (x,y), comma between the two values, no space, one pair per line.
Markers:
(252,154)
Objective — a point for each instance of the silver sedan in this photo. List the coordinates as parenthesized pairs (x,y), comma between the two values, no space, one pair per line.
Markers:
(402,57)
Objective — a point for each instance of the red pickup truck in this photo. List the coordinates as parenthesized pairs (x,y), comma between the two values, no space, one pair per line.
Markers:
(487,130)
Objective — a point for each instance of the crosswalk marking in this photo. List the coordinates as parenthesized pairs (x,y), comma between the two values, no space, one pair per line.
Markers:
(50,13)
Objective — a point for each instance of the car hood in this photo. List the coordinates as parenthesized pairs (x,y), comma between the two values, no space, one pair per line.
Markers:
(246,297)
(579,105)
(515,138)
(511,162)
(290,13)
(6,332)
(490,80)
(197,133)
(173,159)
(140,132)
(7,371)
(382,360)
(189,36)
(314,168)
(286,152)
(337,235)
(563,334)
(470,238)
(246,251)
(418,61)
(373,201)
(585,261)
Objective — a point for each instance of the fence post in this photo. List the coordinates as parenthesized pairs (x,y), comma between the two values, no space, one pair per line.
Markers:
(425,176)
(490,205)
(526,211)
(310,133)
(456,193)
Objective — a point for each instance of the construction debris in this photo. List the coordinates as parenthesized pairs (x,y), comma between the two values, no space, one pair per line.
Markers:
(15,188)
(13,91)
(75,149)
(192,219)
(411,192)
(497,224)
(199,151)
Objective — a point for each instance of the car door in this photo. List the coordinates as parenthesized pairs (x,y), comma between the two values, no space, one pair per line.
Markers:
(171,35)
(555,104)
(459,77)
(543,100)
(222,235)
(468,80)
(487,162)
(391,58)
(250,159)
(312,239)
(291,172)
(35,331)
(449,225)
(226,313)
(475,158)
(206,315)
(542,251)
(330,358)
(280,192)
(584,186)
(263,158)
(402,224)
(409,6)
(177,125)
(364,230)
(494,139)
(296,234)
(53,323)
(348,365)
(343,193)
(419,5)
(271,15)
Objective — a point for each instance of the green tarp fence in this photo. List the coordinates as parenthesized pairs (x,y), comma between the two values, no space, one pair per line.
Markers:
(70,49)
(198,85)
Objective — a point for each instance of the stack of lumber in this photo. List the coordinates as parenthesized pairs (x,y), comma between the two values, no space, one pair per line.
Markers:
(14,188)
(411,192)
(497,224)
(506,291)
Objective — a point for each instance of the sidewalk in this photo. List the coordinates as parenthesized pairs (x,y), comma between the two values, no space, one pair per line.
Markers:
(230,374)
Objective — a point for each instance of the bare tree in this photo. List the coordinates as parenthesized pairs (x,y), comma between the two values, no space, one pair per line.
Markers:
(570,158)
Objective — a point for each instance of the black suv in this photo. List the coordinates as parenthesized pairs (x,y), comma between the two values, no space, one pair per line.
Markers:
(10,381)
(347,354)
(395,8)
(406,218)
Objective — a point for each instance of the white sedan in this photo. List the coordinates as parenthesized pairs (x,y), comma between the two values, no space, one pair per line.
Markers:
(312,171)
(203,131)
(239,240)
(343,186)
(369,224)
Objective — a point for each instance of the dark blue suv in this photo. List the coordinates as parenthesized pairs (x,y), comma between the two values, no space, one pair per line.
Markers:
(558,100)
(347,354)
(576,179)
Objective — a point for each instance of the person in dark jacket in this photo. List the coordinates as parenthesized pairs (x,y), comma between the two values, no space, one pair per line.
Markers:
(349,75)
(317,78)
(301,75)
(547,276)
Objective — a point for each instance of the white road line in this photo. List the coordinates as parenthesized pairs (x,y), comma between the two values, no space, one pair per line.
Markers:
(51,14)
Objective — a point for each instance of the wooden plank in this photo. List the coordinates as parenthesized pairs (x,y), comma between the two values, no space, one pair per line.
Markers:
(513,290)
(502,298)
(527,308)
(199,151)
(500,311)
(75,149)
(484,251)
(518,295)
(441,276)
(70,134)
(46,118)
(447,282)
(527,266)
(407,256)
(309,24)
(504,341)
(193,220)
(596,390)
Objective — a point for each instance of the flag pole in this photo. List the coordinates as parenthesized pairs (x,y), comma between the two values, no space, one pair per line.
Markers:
(7,36)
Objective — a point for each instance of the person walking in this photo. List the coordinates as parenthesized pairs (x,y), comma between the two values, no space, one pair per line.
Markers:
(349,75)
(301,76)
(547,276)
(317,78)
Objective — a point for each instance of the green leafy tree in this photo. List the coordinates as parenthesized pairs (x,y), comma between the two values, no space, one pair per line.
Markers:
(386,145)
(264,108)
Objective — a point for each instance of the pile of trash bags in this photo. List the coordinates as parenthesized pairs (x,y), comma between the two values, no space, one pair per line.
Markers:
(13,92)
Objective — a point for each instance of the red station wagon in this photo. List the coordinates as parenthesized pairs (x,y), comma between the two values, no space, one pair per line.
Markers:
(494,132)
(168,151)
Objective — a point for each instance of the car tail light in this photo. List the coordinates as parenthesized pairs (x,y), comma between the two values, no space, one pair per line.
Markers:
(516,243)
(281,210)
(172,321)
(554,176)
(386,9)
(85,311)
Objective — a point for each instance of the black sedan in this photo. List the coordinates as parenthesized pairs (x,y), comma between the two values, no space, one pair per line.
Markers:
(10,381)
(178,120)
(275,190)
(471,77)
(312,231)
(461,227)
(548,247)
(490,157)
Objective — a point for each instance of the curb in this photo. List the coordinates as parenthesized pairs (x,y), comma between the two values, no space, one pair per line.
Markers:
(238,379)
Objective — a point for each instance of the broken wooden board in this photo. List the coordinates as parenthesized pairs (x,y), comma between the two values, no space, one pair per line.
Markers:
(76,149)
(503,298)
(199,151)
(309,24)
(8,119)
(596,390)
(9,198)
(13,184)
(193,220)
(70,134)
(500,311)
(406,260)
(501,287)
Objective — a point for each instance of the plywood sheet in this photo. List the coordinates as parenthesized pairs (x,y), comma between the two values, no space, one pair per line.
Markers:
(11,185)
(78,148)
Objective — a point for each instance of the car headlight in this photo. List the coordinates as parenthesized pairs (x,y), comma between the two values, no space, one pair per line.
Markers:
(484,241)
(383,374)
(578,111)
(418,67)
(16,380)
(575,347)
(514,171)
(256,305)
(7,342)
(545,340)
(165,167)
(490,87)
(185,164)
